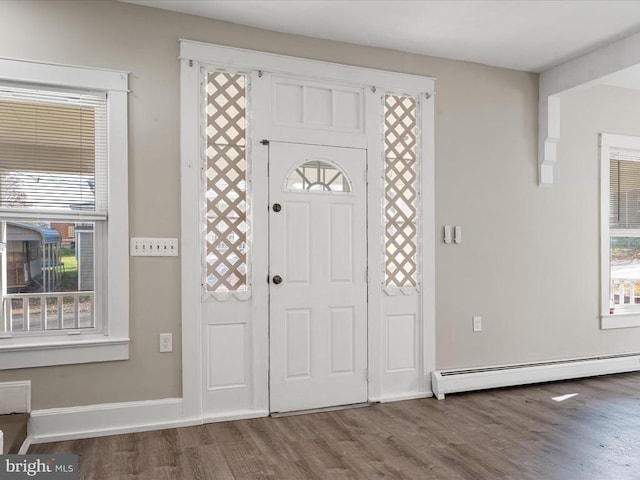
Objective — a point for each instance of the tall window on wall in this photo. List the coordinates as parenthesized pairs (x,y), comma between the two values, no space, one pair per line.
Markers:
(225,185)
(53,180)
(620,226)
(64,257)
(401,173)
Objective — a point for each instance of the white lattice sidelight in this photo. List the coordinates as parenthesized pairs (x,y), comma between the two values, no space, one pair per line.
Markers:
(225,184)
(400,192)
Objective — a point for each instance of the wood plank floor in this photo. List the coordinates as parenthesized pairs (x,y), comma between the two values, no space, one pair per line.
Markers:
(517,433)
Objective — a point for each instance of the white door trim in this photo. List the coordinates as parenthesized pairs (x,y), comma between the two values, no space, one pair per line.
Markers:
(383,382)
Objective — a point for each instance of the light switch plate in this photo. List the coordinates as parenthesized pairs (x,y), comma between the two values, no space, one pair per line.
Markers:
(457,234)
(154,247)
(447,233)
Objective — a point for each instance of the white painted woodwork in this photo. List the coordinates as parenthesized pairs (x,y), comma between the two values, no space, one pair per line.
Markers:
(297,224)
(318,314)
(225,373)
(226,349)
(228,372)
(401,343)
(312,104)
(603,65)
(309,111)
(15,397)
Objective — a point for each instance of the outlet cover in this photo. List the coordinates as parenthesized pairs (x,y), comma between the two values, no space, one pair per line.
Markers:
(166,342)
(477,324)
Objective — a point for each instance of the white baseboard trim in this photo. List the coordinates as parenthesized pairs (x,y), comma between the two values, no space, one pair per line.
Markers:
(58,424)
(238,415)
(464,380)
(15,397)
(402,396)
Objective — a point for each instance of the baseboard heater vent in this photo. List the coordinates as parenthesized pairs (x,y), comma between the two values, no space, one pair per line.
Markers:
(466,380)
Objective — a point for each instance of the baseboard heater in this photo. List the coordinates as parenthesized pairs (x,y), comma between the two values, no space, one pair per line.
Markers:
(466,380)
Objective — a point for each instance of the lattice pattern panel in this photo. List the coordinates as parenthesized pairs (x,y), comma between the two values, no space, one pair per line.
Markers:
(401,191)
(226,224)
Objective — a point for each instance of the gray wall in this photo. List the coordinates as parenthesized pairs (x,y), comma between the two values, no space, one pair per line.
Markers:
(528,263)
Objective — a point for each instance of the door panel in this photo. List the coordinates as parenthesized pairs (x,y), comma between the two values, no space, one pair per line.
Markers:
(297,243)
(318,323)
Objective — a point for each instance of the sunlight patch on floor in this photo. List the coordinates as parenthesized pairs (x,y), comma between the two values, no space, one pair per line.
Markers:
(562,398)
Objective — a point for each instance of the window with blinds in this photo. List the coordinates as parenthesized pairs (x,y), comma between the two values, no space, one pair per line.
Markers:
(624,189)
(624,229)
(53,155)
(53,180)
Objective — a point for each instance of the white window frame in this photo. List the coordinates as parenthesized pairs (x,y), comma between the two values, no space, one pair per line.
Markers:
(626,316)
(112,342)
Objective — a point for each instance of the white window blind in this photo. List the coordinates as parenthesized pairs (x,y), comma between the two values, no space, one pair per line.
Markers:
(624,189)
(53,153)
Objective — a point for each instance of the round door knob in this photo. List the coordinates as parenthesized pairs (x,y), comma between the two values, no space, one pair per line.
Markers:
(277,207)
(277,279)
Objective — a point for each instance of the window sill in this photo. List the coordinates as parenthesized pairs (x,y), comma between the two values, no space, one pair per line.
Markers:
(28,352)
(620,320)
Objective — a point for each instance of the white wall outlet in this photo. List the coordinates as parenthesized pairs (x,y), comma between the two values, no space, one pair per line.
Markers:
(166,342)
(154,247)
(477,324)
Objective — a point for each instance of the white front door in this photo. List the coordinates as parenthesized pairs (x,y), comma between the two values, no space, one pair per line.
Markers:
(318,279)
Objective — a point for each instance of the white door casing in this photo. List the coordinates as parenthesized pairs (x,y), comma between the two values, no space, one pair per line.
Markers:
(318,313)
(226,354)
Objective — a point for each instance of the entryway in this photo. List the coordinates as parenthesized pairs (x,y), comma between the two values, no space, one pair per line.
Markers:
(349,161)
(317,275)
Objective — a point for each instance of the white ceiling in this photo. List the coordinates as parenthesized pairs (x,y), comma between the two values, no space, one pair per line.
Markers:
(531,35)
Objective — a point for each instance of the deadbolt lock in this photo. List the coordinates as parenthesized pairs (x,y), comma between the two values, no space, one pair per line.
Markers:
(277,207)
(277,279)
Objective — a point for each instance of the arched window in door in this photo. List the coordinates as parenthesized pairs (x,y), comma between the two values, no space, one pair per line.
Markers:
(318,176)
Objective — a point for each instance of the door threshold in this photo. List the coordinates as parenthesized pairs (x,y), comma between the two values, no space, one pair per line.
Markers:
(320,410)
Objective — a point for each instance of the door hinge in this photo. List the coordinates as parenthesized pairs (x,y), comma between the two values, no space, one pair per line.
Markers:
(366,374)
(264,142)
